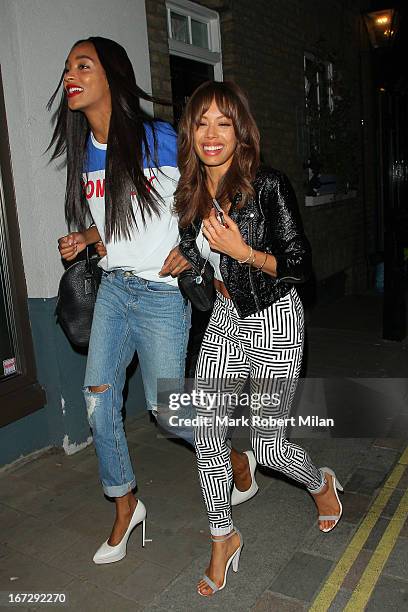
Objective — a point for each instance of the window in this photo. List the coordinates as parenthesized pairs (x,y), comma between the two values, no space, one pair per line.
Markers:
(194,33)
(329,141)
(20,392)
(318,85)
(188,30)
(318,77)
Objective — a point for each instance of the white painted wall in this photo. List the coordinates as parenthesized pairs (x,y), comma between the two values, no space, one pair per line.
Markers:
(35,38)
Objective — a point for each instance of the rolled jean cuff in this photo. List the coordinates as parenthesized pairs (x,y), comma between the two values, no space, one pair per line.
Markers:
(321,487)
(221,531)
(119,490)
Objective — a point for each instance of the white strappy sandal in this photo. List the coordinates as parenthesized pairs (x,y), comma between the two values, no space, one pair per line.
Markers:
(336,486)
(234,559)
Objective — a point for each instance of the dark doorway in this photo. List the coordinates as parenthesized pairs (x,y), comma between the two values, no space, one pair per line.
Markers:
(186,76)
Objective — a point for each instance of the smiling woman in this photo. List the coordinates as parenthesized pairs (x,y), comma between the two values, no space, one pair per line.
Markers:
(87,86)
(113,152)
(256,329)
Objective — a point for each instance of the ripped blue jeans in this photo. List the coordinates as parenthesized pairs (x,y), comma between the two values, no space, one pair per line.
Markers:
(131,314)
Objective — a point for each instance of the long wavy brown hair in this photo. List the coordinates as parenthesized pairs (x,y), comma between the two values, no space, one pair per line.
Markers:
(192,198)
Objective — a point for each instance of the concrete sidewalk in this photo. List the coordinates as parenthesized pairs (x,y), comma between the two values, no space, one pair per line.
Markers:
(54,516)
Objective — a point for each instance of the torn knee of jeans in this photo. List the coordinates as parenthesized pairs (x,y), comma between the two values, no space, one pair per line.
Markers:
(98,388)
(92,399)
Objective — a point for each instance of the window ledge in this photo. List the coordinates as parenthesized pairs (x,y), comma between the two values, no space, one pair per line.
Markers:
(190,51)
(330,197)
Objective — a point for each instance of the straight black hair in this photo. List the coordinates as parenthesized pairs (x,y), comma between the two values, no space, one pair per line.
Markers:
(127,141)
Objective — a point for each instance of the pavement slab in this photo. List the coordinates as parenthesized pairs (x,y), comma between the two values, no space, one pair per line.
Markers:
(94,518)
(355,506)
(389,594)
(271,602)
(37,539)
(397,563)
(330,547)
(366,481)
(84,596)
(302,576)
(20,494)
(21,573)
(181,546)
(379,459)
(77,561)
(9,517)
(145,581)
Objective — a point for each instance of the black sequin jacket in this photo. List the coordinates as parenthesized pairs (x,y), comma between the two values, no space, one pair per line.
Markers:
(269,222)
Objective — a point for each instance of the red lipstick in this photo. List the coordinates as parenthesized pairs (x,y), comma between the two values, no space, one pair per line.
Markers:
(73,90)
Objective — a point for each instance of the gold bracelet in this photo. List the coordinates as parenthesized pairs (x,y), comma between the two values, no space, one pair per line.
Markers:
(251,263)
(251,250)
(264,262)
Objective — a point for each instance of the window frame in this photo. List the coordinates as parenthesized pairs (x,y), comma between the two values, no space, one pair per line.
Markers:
(212,55)
(323,84)
(20,394)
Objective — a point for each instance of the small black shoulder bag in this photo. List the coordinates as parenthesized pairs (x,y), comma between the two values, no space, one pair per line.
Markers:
(77,293)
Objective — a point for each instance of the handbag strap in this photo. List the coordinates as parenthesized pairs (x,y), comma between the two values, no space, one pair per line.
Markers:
(88,265)
(201,251)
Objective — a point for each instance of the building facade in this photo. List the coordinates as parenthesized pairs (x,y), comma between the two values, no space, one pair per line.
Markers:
(306,69)
(276,50)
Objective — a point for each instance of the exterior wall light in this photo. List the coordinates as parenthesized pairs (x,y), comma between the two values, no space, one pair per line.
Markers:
(381,26)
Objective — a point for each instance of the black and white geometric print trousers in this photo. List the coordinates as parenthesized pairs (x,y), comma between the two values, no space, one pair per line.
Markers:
(267,347)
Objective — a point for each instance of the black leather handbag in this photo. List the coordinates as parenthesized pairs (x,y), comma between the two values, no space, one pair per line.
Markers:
(198,287)
(77,293)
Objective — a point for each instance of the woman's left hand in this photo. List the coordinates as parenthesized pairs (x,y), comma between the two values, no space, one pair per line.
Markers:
(100,248)
(225,238)
(174,264)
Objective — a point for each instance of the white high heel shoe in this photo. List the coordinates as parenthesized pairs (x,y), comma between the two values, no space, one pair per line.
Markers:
(239,497)
(234,559)
(332,517)
(109,554)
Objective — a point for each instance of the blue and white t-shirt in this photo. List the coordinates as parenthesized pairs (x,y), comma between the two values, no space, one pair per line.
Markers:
(148,247)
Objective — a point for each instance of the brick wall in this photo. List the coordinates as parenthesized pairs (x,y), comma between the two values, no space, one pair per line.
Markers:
(159,56)
(263,43)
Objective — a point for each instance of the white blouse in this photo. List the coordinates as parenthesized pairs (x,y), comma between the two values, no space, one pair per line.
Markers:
(213,256)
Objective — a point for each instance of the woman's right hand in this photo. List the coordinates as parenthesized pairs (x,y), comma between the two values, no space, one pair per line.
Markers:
(70,245)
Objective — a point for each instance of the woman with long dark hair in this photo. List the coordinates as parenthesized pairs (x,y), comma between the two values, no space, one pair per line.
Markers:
(243,218)
(121,174)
